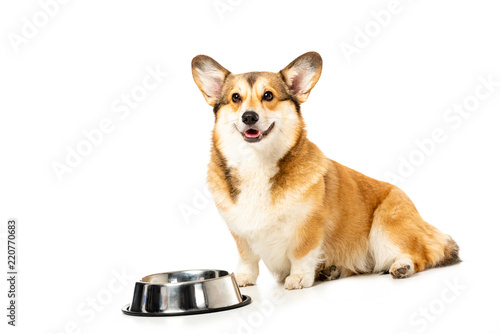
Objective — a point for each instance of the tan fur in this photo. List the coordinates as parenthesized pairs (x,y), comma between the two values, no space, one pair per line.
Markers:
(357,224)
(243,248)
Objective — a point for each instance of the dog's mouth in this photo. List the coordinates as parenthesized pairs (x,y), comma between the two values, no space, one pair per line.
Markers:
(254,135)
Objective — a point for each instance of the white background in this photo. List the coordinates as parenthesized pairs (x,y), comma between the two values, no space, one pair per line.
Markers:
(119,210)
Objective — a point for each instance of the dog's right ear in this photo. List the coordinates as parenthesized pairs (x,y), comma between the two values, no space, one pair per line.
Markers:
(209,76)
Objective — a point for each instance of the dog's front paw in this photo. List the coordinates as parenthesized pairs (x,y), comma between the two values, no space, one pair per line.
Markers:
(299,281)
(245,279)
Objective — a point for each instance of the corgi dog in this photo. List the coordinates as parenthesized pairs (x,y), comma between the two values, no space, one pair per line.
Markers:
(306,216)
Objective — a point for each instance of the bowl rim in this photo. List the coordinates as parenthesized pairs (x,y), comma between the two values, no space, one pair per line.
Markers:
(229,274)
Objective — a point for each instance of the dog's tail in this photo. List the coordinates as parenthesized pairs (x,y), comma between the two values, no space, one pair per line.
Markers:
(450,254)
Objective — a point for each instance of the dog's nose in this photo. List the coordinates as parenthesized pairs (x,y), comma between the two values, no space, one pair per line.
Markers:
(250,117)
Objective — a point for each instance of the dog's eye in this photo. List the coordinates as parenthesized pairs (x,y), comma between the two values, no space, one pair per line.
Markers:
(236,98)
(268,96)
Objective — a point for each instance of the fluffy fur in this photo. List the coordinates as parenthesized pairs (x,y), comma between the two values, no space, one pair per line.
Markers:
(306,216)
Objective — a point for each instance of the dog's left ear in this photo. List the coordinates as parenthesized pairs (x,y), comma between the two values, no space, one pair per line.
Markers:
(302,74)
(209,76)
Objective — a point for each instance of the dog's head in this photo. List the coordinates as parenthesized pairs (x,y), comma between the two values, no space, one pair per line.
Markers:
(261,109)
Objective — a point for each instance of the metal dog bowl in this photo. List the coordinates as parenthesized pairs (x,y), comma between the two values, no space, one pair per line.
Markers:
(185,292)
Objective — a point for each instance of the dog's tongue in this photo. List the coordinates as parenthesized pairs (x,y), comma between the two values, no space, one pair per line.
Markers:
(251,133)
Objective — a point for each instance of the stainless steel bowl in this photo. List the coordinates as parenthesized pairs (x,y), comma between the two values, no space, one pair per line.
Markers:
(185,292)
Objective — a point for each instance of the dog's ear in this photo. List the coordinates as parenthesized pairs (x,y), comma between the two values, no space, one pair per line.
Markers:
(209,76)
(302,74)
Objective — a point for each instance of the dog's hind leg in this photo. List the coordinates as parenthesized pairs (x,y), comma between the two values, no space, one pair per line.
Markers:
(403,243)
(403,267)
(328,274)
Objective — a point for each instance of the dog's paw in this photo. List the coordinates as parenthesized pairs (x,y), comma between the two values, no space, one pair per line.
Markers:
(245,279)
(402,268)
(329,274)
(299,281)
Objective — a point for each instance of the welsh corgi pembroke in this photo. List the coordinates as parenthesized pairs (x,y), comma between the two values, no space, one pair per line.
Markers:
(306,216)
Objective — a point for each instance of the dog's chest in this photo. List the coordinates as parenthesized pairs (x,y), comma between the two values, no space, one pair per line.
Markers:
(256,216)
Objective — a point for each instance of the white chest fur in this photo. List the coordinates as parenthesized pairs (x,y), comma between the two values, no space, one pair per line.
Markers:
(268,227)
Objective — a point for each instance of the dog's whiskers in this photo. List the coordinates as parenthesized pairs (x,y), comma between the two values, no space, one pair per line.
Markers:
(231,121)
